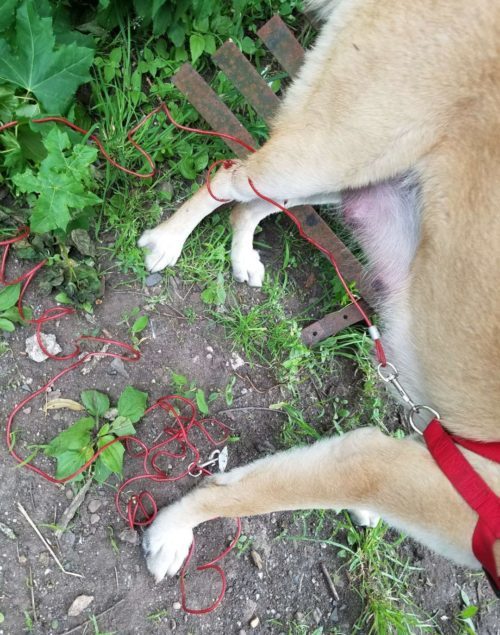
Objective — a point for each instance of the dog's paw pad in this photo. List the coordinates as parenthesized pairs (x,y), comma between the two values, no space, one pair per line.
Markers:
(163,248)
(248,268)
(166,543)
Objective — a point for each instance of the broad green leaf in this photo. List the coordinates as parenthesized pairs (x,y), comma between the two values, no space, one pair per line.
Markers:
(9,296)
(101,471)
(468,612)
(201,402)
(196,45)
(122,426)
(71,461)
(96,403)
(7,13)
(35,64)
(112,457)
(140,324)
(74,438)
(132,403)
(6,325)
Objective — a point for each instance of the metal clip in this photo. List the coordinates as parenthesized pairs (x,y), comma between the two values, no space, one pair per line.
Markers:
(217,457)
(415,409)
(392,379)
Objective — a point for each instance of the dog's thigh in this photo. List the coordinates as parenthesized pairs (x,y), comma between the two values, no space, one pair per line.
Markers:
(363,469)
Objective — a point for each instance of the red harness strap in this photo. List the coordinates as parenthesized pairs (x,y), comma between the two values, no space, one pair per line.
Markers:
(472,488)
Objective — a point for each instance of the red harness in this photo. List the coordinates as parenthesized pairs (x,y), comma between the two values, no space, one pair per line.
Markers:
(471,487)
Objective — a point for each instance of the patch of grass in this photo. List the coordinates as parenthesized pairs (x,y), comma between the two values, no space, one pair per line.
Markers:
(376,570)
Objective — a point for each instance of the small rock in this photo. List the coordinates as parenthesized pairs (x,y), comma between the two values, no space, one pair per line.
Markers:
(242,632)
(130,536)
(80,604)
(68,538)
(54,625)
(27,411)
(177,606)
(209,356)
(69,494)
(7,531)
(236,361)
(35,352)
(43,559)
(256,559)
(317,615)
(111,414)
(94,505)
(254,622)
(94,519)
(118,365)
(23,559)
(153,279)
(172,624)
(209,349)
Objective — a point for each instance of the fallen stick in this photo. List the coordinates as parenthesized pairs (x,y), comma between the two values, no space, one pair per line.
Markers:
(51,551)
(329,582)
(71,510)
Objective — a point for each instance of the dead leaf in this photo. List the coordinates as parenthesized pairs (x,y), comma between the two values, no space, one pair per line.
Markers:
(57,404)
(80,604)
(256,559)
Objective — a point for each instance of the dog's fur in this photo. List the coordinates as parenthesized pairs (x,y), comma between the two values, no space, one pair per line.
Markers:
(397,107)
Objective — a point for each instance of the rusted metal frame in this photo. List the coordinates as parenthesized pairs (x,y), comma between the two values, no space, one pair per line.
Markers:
(331,324)
(282,43)
(246,79)
(210,107)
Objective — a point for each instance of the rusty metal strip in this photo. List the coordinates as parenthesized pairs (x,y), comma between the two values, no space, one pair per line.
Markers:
(210,107)
(282,43)
(332,324)
(247,80)
(352,270)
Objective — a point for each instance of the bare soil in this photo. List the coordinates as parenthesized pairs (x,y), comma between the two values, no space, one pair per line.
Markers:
(289,588)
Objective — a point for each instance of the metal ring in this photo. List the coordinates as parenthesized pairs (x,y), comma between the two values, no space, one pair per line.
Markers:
(415,410)
(390,377)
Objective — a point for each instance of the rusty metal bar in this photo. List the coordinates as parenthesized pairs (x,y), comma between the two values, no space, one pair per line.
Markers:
(210,107)
(332,324)
(282,43)
(247,80)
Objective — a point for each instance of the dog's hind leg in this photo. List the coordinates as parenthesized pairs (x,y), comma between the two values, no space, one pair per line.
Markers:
(245,217)
(363,469)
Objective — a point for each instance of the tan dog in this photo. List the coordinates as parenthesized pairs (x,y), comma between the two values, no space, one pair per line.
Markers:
(397,107)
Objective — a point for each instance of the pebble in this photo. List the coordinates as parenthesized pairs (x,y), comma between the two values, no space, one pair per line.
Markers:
(94,519)
(256,559)
(254,622)
(27,411)
(69,494)
(35,352)
(118,365)
(130,536)
(177,606)
(153,279)
(94,505)
(80,604)
(242,632)
(209,349)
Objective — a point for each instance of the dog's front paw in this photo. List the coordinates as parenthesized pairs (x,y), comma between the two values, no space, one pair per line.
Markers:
(247,267)
(166,543)
(164,248)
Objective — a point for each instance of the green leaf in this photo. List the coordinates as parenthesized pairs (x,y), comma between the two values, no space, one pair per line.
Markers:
(132,404)
(140,324)
(7,13)
(74,438)
(62,183)
(468,612)
(9,296)
(35,64)
(201,402)
(112,457)
(6,325)
(196,46)
(96,403)
(122,426)
(71,461)
(101,471)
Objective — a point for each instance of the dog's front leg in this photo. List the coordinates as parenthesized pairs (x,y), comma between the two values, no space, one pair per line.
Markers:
(363,469)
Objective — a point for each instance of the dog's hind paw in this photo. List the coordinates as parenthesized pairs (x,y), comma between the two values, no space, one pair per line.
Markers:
(247,267)
(163,248)
(166,542)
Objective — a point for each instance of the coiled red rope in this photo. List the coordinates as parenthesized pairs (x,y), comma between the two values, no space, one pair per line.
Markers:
(141,508)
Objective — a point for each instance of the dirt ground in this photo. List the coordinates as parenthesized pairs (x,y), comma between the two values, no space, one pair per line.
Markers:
(289,588)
